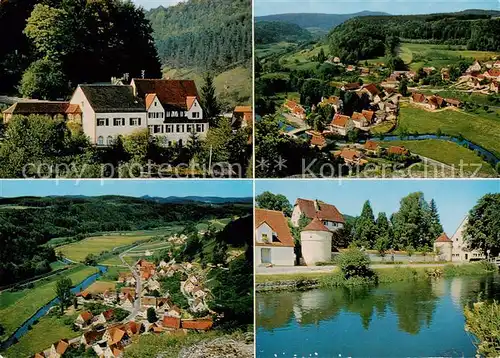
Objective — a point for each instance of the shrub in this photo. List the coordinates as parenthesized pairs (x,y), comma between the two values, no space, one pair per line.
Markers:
(354,263)
(483,320)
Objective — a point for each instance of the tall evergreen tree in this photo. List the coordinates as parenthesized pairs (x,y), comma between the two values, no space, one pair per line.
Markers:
(365,231)
(209,101)
(435,223)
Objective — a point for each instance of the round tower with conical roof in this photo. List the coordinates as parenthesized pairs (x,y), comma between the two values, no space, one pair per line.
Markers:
(443,247)
(316,241)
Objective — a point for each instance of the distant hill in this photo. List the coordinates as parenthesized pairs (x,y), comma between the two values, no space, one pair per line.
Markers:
(277,31)
(199,199)
(208,34)
(317,21)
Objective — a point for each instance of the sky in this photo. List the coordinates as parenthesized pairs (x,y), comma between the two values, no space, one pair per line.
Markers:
(136,188)
(148,4)
(454,198)
(395,7)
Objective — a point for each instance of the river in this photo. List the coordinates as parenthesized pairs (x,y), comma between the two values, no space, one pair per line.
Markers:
(421,318)
(23,329)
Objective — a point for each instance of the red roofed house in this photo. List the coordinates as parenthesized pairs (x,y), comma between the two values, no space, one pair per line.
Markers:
(295,109)
(371,147)
(327,213)
(341,124)
(317,139)
(273,239)
(45,108)
(443,246)
(359,120)
(452,102)
(171,322)
(203,324)
(495,86)
(316,241)
(351,156)
(173,109)
(58,348)
(372,91)
(418,98)
(397,150)
(242,117)
(83,319)
(351,86)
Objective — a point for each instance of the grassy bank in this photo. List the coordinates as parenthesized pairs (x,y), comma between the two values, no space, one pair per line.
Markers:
(17,306)
(48,330)
(291,277)
(483,320)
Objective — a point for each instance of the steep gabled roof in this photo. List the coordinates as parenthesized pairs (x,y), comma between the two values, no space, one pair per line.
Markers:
(371,145)
(325,212)
(372,89)
(172,93)
(368,115)
(150,97)
(316,225)
(113,99)
(277,221)
(418,97)
(42,107)
(340,120)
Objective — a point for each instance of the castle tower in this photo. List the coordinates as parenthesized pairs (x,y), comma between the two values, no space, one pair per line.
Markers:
(444,246)
(316,242)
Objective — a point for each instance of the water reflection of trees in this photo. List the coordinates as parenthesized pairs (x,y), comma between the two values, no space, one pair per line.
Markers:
(413,304)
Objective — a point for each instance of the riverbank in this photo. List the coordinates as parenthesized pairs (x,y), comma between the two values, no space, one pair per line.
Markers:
(387,274)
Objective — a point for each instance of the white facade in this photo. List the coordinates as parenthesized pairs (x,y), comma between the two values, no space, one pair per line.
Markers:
(461,252)
(316,246)
(330,225)
(264,234)
(275,255)
(444,249)
(103,128)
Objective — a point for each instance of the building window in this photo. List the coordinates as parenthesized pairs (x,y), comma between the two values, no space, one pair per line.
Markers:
(179,128)
(199,127)
(100,140)
(158,129)
(135,121)
(102,122)
(110,140)
(180,142)
(189,128)
(118,122)
(169,128)
(196,114)
(265,255)
(150,129)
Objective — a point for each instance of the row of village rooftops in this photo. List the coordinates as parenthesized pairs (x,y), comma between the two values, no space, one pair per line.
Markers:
(275,244)
(170,109)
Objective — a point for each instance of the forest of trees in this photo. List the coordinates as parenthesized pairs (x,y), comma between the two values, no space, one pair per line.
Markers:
(25,231)
(210,34)
(55,44)
(368,37)
(267,32)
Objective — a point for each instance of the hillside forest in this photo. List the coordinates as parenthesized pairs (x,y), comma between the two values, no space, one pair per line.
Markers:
(28,223)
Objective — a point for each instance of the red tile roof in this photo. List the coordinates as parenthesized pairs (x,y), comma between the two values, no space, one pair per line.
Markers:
(149,99)
(41,107)
(198,324)
(418,97)
(351,86)
(243,109)
(294,107)
(325,212)
(62,346)
(340,120)
(368,115)
(371,145)
(397,150)
(372,89)
(190,101)
(277,221)
(494,72)
(171,322)
(358,117)
(350,154)
(86,316)
(453,101)
(169,92)
(317,139)
(443,238)
(316,225)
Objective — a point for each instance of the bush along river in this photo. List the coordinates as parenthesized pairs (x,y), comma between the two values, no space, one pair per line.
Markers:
(23,329)
(421,318)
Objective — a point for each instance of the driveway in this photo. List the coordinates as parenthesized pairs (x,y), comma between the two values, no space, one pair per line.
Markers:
(138,288)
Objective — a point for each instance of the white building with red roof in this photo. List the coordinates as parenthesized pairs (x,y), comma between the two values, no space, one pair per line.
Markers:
(274,243)
(443,247)
(341,124)
(316,243)
(329,215)
(461,252)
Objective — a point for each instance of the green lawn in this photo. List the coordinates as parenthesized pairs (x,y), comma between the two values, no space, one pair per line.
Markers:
(382,128)
(421,54)
(112,261)
(268,50)
(481,129)
(40,337)
(95,245)
(477,98)
(445,152)
(303,59)
(17,307)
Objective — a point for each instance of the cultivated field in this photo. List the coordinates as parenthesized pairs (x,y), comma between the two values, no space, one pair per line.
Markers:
(17,307)
(95,245)
(445,152)
(481,129)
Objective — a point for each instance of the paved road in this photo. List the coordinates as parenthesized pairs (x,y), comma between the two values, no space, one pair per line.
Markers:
(138,288)
(289,270)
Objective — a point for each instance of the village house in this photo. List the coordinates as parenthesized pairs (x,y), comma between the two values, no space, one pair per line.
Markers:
(198,292)
(82,297)
(103,318)
(372,91)
(351,157)
(461,252)
(452,102)
(152,285)
(494,86)
(351,87)
(58,348)
(198,305)
(83,319)
(443,247)
(133,328)
(341,124)
(242,117)
(371,147)
(127,302)
(127,278)
(109,111)
(295,109)
(110,297)
(63,110)
(418,98)
(445,74)
(316,243)
(359,120)
(327,213)
(89,338)
(174,311)
(171,322)
(317,139)
(273,239)
(332,101)
(197,324)
(173,109)
(397,150)
(474,68)
(116,335)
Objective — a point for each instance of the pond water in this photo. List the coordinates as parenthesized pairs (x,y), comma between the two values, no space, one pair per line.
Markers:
(410,319)
(23,329)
